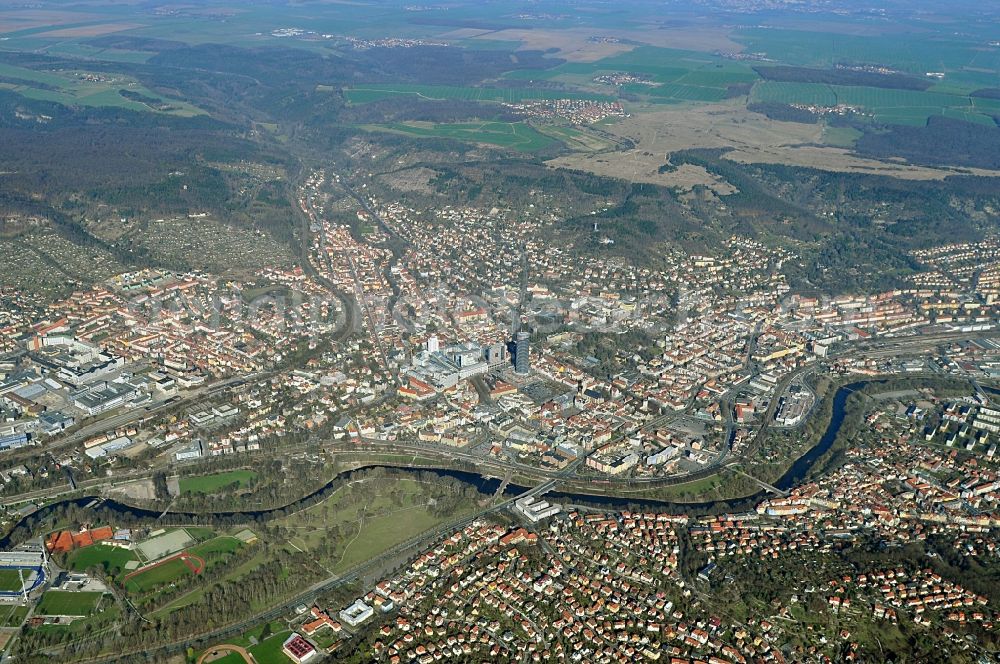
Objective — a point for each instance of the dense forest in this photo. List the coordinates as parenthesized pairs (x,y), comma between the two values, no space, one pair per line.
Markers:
(942,142)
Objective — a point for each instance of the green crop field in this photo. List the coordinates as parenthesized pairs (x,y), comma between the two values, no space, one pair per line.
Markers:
(676,75)
(515,135)
(910,107)
(110,558)
(212,483)
(907,52)
(269,651)
(86,88)
(362,94)
(577,138)
(63,603)
(680,92)
(819,94)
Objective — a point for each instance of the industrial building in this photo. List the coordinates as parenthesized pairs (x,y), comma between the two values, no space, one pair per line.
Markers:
(534,510)
(103,396)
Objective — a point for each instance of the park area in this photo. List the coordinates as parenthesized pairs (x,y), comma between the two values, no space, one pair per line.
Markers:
(363,521)
(216,481)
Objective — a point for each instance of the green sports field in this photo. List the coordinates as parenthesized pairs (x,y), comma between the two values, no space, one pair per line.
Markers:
(269,651)
(10,581)
(110,558)
(63,603)
(157,576)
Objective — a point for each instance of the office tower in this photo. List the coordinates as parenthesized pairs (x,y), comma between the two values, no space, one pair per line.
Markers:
(522,363)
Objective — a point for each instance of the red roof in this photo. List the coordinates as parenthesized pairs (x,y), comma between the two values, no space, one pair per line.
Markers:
(297,646)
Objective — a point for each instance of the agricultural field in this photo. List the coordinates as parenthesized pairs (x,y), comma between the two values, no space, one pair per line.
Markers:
(515,135)
(959,58)
(890,106)
(215,482)
(89,88)
(674,75)
(577,138)
(111,559)
(365,93)
(64,603)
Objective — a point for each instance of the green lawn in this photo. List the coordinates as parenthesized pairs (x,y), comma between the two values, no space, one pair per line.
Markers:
(64,603)
(268,651)
(220,545)
(216,481)
(13,616)
(384,532)
(110,558)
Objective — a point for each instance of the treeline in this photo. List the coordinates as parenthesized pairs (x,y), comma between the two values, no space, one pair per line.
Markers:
(896,81)
(784,112)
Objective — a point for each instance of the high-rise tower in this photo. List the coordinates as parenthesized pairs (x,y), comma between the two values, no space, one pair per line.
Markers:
(522,363)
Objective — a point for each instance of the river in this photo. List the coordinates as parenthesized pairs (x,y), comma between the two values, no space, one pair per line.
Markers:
(488,486)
